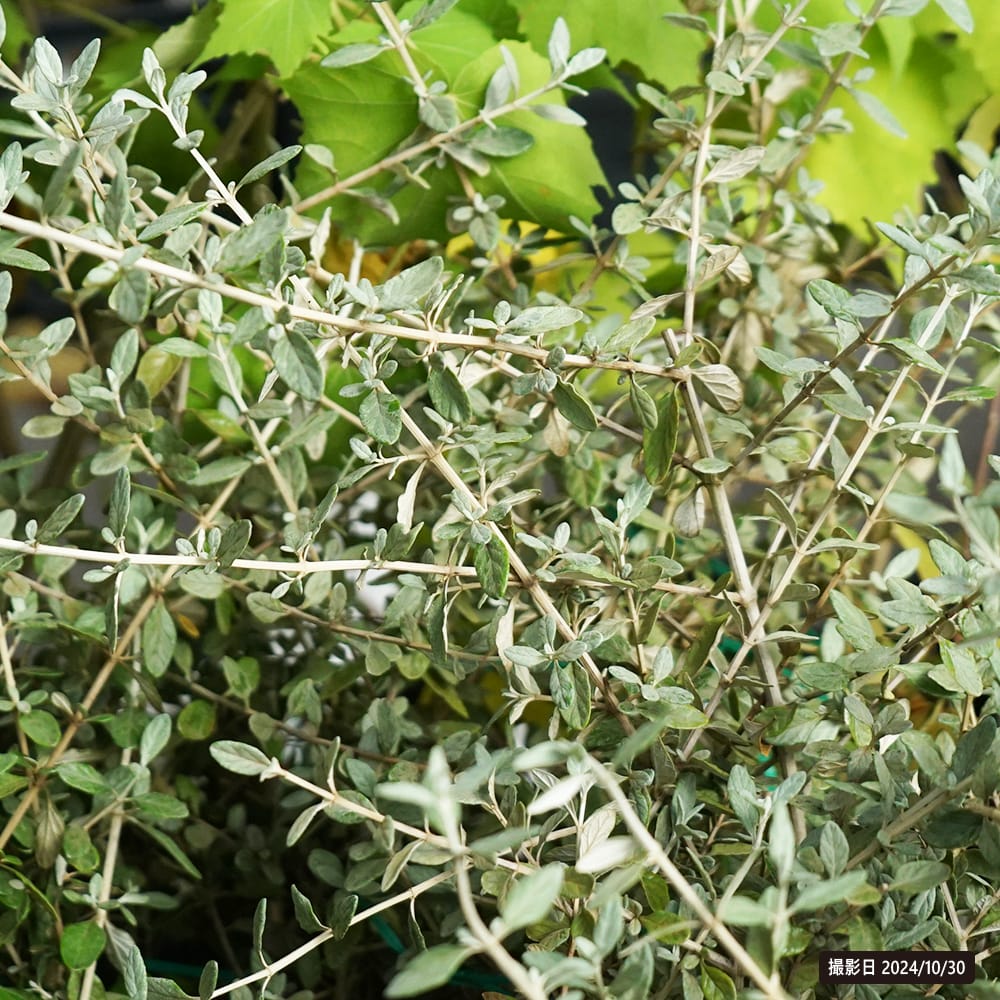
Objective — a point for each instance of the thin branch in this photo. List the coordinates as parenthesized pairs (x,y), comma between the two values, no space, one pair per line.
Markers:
(269,970)
(270,565)
(756,634)
(525,980)
(538,593)
(337,801)
(815,119)
(341,324)
(118,655)
(432,144)
(107,879)
(910,818)
(394,30)
(693,406)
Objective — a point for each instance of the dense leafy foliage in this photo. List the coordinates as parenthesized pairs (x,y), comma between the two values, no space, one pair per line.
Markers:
(411,583)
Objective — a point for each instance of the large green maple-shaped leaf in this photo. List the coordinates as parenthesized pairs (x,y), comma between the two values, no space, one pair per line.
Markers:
(499,15)
(929,73)
(928,76)
(286,30)
(634,32)
(872,173)
(446,45)
(552,180)
(983,42)
(363,112)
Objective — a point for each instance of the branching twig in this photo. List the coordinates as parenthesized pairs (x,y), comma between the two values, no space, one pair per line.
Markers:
(269,970)
(269,565)
(326,320)
(680,885)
